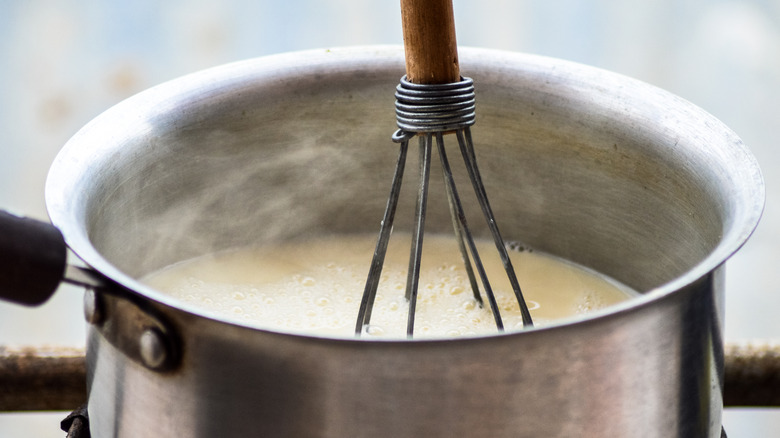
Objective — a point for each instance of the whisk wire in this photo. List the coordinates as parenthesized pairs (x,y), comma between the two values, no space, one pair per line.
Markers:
(467,150)
(462,231)
(378,260)
(456,214)
(415,257)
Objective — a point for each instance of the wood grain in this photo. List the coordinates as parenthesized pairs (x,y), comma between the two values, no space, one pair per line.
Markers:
(429,41)
(752,374)
(42,378)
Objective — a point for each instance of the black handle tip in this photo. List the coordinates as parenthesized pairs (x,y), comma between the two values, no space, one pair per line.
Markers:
(33,257)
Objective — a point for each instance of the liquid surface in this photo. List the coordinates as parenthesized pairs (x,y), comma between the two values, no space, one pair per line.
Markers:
(316,287)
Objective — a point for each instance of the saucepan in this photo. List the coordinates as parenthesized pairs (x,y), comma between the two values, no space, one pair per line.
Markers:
(600,169)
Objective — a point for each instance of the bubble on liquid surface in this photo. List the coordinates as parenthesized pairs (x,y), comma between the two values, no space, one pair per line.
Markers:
(284,293)
(373,330)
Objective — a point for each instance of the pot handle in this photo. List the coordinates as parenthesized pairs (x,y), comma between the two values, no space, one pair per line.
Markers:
(33,258)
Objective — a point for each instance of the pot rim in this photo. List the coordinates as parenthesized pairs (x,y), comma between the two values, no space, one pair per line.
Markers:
(102,135)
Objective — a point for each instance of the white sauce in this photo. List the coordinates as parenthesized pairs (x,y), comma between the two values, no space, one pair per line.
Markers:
(316,287)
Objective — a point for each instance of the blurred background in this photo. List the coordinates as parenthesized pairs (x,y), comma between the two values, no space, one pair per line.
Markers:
(62,62)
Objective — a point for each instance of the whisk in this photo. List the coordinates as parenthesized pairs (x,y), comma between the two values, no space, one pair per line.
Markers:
(433,100)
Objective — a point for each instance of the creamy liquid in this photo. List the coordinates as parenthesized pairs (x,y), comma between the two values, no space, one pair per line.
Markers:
(316,287)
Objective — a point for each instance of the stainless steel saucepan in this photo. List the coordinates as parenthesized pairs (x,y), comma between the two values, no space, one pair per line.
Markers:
(585,164)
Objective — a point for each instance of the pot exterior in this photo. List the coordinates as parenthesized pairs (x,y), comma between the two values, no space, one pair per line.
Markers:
(584,164)
(653,371)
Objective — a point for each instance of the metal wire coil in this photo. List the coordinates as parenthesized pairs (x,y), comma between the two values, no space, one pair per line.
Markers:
(433,107)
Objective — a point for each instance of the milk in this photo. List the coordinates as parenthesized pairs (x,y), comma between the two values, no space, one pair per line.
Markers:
(316,286)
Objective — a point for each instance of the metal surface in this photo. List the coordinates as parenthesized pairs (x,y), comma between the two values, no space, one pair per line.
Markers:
(77,423)
(140,332)
(93,307)
(581,163)
(752,376)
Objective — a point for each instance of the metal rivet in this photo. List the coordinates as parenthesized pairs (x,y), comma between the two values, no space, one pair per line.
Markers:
(153,348)
(93,307)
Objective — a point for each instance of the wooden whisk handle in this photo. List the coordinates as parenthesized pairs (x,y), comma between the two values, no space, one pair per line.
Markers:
(429,41)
